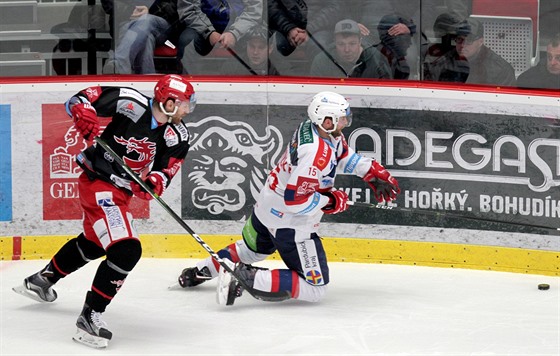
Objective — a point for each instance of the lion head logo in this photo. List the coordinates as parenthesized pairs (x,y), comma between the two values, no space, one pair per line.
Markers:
(224,155)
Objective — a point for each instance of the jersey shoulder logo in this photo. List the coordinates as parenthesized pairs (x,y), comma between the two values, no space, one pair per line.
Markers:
(133,94)
(183,131)
(306,132)
(170,136)
(130,109)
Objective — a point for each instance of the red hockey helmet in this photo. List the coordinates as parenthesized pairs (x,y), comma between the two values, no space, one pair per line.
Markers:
(173,87)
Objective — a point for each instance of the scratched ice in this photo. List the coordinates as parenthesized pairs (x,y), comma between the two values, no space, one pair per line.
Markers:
(370,309)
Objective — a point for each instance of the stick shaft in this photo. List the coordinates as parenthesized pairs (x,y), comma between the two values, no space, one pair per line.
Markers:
(255,293)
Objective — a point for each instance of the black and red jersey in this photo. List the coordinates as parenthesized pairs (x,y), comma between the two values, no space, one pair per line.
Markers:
(133,133)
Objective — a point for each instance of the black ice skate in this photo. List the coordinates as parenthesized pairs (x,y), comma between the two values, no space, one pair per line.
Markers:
(229,288)
(92,330)
(192,276)
(38,287)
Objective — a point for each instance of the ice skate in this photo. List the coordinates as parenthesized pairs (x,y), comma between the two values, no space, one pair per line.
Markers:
(192,276)
(229,288)
(37,287)
(92,330)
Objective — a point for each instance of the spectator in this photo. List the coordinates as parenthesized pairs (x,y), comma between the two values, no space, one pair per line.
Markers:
(256,61)
(395,33)
(211,22)
(546,74)
(138,38)
(298,22)
(436,55)
(471,61)
(347,58)
(486,66)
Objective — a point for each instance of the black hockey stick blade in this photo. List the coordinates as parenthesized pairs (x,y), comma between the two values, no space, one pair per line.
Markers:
(445,213)
(257,294)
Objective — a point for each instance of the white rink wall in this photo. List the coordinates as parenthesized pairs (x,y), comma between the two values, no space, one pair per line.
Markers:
(26,104)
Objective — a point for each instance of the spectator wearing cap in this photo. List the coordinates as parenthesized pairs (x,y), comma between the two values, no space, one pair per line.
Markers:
(256,60)
(471,61)
(395,34)
(486,66)
(347,58)
(437,57)
(546,74)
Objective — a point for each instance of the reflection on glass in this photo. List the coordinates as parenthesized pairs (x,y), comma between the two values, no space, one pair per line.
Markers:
(64,37)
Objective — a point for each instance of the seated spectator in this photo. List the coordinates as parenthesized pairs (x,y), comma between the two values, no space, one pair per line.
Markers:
(256,61)
(471,61)
(395,33)
(546,74)
(347,58)
(148,28)
(437,56)
(216,22)
(298,23)
(486,66)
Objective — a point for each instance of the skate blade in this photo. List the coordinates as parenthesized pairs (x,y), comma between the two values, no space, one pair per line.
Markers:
(224,279)
(84,338)
(174,286)
(21,289)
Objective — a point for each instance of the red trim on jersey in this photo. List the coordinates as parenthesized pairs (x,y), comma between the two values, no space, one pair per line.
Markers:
(92,93)
(173,167)
(321,159)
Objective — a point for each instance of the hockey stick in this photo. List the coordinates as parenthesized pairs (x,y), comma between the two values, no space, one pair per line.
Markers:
(445,214)
(261,295)
(243,63)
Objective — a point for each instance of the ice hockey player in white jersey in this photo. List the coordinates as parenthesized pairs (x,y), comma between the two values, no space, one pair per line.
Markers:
(288,211)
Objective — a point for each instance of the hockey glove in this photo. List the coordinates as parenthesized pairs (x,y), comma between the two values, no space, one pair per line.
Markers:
(338,202)
(385,187)
(155,180)
(85,120)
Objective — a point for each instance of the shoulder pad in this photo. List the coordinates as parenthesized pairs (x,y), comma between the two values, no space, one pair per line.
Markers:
(306,134)
(174,134)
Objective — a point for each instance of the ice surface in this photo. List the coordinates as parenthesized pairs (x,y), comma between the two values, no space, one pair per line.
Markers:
(369,309)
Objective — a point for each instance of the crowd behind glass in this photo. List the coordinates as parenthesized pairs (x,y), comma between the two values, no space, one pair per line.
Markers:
(430,40)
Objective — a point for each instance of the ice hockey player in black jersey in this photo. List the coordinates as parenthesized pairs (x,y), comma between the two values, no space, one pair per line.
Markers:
(146,132)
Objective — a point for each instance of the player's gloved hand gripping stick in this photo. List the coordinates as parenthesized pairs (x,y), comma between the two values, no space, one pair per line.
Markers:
(261,295)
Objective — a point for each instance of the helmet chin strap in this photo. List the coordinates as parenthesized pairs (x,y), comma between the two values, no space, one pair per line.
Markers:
(169,114)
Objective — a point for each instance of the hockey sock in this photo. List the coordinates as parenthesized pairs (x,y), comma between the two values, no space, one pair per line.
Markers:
(229,252)
(111,274)
(73,255)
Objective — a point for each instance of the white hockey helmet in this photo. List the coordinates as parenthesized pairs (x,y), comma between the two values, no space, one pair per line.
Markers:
(329,104)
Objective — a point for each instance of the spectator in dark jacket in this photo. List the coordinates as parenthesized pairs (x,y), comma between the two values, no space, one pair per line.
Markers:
(347,58)
(256,61)
(476,63)
(395,33)
(546,74)
(299,22)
